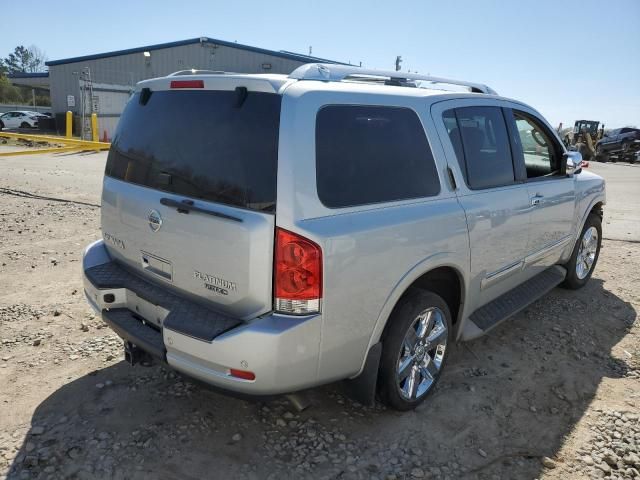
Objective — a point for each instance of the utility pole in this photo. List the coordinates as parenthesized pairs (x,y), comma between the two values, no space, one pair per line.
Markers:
(310,49)
(398,62)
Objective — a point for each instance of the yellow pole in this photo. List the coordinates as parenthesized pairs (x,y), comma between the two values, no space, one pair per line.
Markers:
(69,124)
(95,136)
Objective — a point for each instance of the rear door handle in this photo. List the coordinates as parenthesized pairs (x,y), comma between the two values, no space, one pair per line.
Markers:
(537,200)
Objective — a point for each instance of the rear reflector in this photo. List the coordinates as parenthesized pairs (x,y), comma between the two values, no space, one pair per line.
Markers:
(242,374)
(187,83)
(297,274)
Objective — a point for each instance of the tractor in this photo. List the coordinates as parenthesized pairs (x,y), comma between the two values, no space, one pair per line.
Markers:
(584,137)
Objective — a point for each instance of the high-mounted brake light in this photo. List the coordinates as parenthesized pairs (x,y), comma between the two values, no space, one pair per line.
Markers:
(297,274)
(187,84)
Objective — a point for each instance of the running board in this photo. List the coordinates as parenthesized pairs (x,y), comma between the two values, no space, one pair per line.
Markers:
(510,303)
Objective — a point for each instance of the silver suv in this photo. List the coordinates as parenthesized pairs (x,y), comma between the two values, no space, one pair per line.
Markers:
(271,233)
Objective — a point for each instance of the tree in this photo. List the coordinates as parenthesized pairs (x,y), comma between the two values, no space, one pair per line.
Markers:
(22,60)
(9,93)
(25,60)
(38,59)
(18,61)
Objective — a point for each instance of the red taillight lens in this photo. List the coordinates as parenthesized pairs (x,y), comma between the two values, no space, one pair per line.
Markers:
(297,274)
(187,83)
(243,374)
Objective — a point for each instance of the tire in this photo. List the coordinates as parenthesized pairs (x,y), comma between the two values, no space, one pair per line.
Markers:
(582,263)
(584,150)
(624,148)
(25,125)
(418,336)
(1,125)
(601,156)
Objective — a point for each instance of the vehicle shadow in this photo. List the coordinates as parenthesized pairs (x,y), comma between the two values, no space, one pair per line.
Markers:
(505,401)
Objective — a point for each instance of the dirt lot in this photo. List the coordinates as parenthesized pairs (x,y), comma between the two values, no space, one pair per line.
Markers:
(554,393)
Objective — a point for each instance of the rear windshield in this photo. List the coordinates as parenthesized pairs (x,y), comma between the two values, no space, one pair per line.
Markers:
(219,146)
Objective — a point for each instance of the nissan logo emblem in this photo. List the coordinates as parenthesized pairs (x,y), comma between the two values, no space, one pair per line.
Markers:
(155,220)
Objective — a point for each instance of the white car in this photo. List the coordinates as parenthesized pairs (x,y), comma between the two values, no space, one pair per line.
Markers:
(19,119)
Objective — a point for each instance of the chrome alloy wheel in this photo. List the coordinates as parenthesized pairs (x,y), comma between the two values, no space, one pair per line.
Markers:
(587,252)
(422,353)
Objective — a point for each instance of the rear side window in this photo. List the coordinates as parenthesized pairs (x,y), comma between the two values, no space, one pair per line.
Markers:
(212,145)
(481,143)
(372,154)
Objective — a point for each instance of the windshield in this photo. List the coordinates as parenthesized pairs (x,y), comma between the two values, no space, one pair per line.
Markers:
(213,145)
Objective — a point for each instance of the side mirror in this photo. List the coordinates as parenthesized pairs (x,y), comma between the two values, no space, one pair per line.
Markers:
(572,163)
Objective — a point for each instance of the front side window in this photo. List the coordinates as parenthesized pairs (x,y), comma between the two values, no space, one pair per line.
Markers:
(541,156)
(372,154)
(481,143)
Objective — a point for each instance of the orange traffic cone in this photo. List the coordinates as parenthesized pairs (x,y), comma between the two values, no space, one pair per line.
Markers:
(104,137)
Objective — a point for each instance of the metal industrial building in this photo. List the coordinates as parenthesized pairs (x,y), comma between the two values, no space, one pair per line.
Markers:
(102,83)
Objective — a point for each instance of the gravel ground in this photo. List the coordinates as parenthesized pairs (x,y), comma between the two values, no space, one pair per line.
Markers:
(553,393)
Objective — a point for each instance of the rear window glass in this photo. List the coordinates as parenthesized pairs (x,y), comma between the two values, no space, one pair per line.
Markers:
(209,145)
(372,154)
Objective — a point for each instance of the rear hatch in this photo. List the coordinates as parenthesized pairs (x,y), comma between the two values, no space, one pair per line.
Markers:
(189,192)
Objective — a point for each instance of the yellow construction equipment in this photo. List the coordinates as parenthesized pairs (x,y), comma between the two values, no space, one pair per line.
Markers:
(583,138)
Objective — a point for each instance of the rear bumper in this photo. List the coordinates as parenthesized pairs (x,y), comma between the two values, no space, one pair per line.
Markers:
(280,350)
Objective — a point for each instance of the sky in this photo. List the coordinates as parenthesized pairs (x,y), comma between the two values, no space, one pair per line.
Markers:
(569,59)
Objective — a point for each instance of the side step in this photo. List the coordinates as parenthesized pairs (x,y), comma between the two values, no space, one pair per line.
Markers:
(510,303)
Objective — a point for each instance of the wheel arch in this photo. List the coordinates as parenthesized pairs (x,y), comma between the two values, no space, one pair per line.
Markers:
(597,209)
(445,282)
(592,197)
(446,279)
(595,206)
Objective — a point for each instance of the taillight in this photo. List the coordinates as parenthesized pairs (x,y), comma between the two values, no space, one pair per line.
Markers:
(243,374)
(297,274)
(187,83)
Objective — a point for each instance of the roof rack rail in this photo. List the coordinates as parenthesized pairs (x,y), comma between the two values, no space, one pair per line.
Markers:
(337,73)
(193,71)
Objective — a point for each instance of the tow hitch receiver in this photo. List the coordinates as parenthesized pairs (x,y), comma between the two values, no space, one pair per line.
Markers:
(134,354)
